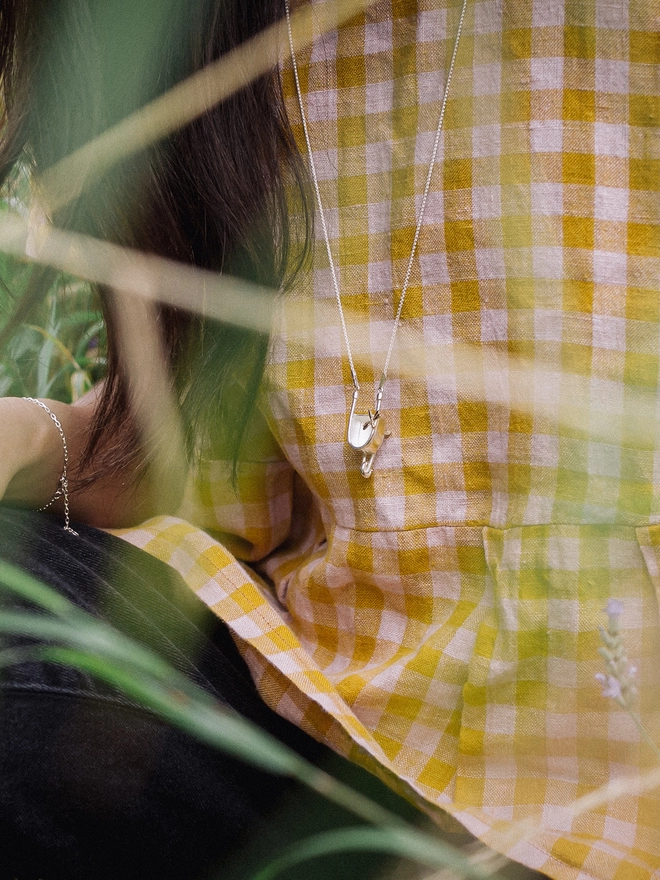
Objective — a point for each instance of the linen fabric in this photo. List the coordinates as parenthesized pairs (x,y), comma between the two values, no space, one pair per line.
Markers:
(440,621)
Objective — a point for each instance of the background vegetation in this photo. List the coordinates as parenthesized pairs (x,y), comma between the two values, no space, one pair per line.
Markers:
(62,354)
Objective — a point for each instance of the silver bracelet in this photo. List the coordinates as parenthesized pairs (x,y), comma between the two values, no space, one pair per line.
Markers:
(62,490)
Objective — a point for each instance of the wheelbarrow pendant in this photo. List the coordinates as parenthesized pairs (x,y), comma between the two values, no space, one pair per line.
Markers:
(366,432)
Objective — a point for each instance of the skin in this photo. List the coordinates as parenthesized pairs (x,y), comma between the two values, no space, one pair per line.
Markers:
(31,459)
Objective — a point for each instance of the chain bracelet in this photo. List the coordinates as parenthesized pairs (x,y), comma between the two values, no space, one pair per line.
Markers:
(62,490)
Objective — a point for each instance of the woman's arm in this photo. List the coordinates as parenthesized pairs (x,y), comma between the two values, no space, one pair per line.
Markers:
(32,457)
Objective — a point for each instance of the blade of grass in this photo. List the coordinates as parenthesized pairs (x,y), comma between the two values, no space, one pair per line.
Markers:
(154,279)
(105,651)
(96,648)
(461,368)
(46,352)
(23,584)
(63,182)
(56,343)
(93,646)
(152,398)
(211,723)
(395,841)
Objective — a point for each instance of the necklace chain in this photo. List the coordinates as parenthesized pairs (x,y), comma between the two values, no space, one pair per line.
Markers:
(366,431)
(326,237)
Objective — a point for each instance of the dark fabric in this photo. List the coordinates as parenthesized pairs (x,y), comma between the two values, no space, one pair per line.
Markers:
(93,786)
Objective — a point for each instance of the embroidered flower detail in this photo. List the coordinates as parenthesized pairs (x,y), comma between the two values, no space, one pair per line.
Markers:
(610,686)
(614,608)
(618,683)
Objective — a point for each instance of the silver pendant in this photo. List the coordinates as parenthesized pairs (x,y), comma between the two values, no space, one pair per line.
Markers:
(366,432)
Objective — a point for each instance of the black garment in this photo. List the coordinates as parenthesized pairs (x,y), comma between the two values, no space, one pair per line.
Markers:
(93,786)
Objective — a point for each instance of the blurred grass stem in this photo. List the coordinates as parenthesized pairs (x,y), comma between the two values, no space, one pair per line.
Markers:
(152,398)
(63,182)
(472,372)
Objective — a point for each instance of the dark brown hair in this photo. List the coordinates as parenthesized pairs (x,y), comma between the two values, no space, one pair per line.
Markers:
(215,195)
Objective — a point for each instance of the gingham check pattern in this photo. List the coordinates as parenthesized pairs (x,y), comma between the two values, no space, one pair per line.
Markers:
(440,620)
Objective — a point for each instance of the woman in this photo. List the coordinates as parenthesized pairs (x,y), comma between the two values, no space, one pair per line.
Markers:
(428,599)
(91,785)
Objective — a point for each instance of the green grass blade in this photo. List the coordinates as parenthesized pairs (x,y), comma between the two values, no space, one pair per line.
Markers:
(23,584)
(400,842)
(89,635)
(109,654)
(53,343)
(79,640)
(212,723)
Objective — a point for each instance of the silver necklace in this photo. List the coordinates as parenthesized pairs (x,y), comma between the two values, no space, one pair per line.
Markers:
(366,431)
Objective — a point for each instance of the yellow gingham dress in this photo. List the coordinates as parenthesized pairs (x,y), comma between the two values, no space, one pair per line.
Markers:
(440,621)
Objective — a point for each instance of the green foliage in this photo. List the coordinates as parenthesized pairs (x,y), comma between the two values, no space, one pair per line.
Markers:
(404,843)
(61,353)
